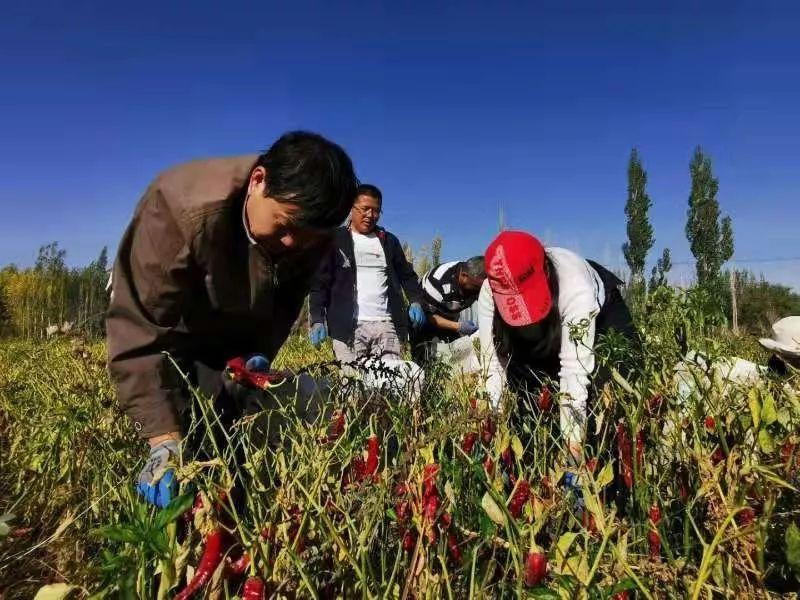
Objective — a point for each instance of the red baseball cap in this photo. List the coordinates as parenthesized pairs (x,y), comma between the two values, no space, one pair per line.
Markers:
(515,265)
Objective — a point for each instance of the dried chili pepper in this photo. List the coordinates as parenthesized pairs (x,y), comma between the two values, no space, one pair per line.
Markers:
(521,494)
(373,450)
(469,442)
(212,556)
(535,568)
(239,566)
(488,429)
(253,589)
(452,546)
(545,400)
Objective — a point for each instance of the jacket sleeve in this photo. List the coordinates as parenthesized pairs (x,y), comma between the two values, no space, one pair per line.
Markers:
(492,367)
(405,273)
(144,317)
(320,295)
(577,359)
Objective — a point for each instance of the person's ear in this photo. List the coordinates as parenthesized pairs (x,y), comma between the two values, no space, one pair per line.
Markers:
(257,178)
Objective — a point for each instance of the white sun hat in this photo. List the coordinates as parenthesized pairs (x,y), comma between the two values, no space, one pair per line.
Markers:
(785,337)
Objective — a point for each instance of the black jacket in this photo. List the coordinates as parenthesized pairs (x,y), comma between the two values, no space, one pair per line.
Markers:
(333,292)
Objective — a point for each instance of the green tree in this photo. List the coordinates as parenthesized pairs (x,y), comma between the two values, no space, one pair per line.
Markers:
(640,231)
(710,238)
(658,276)
(761,303)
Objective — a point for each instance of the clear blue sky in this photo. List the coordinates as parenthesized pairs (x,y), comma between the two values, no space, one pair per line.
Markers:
(452,111)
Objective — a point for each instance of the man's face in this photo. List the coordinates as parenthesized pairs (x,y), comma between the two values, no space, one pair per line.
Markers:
(365,214)
(273,223)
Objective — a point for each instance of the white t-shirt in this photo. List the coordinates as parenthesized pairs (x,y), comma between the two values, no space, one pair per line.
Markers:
(580,297)
(372,284)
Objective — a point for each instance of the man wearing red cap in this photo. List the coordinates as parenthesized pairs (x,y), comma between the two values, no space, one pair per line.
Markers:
(539,314)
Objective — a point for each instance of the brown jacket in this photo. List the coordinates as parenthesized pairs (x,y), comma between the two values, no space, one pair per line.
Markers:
(188,282)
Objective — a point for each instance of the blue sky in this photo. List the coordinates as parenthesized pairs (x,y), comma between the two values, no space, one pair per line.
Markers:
(452,111)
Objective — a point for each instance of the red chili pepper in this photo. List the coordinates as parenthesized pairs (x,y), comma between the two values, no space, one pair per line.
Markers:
(654,541)
(655,514)
(624,449)
(591,465)
(469,442)
(488,465)
(623,595)
(212,556)
(545,399)
(446,520)
(488,429)
(403,510)
(253,589)
(710,424)
(522,493)
(452,546)
(535,568)
(372,456)
(409,541)
(429,474)
(239,566)
(337,426)
(507,457)
(430,508)
(746,516)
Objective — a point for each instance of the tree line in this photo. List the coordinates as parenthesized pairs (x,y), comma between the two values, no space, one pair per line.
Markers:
(756,302)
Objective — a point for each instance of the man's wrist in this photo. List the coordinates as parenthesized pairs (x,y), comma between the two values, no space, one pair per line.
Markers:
(158,439)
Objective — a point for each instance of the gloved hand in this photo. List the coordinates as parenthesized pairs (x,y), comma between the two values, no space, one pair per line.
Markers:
(417,315)
(156,482)
(572,485)
(257,363)
(467,328)
(318,334)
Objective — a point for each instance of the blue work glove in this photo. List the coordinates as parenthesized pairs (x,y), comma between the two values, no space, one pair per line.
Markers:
(318,334)
(156,482)
(417,315)
(467,327)
(257,363)
(572,484)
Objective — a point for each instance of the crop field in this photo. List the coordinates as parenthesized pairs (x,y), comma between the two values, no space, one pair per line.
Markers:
(679,496)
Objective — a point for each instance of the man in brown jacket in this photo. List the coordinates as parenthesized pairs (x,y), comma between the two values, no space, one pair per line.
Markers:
(215,264)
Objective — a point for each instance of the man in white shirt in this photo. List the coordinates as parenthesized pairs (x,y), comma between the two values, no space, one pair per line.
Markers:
(357,297)
(539,314)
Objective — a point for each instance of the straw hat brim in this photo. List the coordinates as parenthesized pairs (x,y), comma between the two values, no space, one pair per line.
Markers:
(774,346)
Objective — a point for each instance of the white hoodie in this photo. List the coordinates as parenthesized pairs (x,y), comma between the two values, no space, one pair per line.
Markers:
(580,297)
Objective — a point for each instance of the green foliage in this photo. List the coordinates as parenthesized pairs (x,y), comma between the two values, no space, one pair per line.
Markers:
(69,464)
(710,239)
(51,294)
(761,303)
(637,207)
(658,276)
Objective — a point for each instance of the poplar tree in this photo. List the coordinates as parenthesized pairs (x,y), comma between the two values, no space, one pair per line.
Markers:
(710,237)
(640,231)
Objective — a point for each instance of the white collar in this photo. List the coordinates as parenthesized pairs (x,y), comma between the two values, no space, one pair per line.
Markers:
(245,224)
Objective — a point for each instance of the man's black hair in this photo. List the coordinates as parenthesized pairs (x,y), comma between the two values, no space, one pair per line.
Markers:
(367,189)
(474,267)
(306,169)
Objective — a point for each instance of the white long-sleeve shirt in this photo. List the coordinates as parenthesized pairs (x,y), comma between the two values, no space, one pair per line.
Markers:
(580,296)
